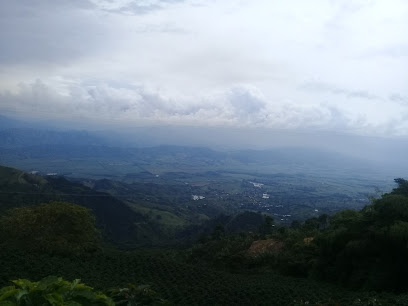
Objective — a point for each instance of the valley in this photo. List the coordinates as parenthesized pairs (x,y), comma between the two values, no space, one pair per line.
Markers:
(182,220)
(288,183)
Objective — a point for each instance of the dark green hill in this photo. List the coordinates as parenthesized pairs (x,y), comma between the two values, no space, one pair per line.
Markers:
(18,188)
(241,222)
(128,214)
(117,221)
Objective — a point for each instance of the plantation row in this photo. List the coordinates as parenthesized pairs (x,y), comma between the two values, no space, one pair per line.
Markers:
(184,284)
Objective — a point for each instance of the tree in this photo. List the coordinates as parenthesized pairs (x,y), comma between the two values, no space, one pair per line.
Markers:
(296,224)
(389,209)
(368,247)
(323,221)
(56,228)
(402,187)
(266,227)
(218,232)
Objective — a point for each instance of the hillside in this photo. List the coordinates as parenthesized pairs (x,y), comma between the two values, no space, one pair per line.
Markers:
(360,249)
(128,214)
(114,218)
(318,261)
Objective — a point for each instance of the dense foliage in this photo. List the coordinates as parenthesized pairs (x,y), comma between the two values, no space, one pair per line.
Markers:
(136,295)
(56,228)
(54,291)
(368,248)
(114,218)
(185,283)
(51,291)
(358,249)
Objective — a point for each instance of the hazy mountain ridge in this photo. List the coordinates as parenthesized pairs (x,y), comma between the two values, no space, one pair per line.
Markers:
(22,137)
(55,151)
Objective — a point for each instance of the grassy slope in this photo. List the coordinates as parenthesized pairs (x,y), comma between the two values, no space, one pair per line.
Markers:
(162,216)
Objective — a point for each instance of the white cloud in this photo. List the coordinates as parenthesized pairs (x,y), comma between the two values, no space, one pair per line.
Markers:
(318,64)
(238,106)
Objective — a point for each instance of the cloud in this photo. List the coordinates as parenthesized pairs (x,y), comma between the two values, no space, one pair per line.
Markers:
(50,33)
(238,106)
(322,65)
(399,99)
(393,51)
(133,7)
(324,87)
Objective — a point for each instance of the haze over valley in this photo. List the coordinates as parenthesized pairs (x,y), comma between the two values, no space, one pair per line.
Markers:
(189,152)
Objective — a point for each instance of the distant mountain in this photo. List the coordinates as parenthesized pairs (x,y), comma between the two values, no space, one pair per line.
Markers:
(63,152)
(26,137)
(7,123)
(306,160)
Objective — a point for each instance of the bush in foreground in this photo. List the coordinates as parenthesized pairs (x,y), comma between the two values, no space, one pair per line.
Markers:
(53,290)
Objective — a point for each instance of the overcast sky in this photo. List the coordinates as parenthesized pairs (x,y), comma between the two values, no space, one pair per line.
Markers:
(317,65)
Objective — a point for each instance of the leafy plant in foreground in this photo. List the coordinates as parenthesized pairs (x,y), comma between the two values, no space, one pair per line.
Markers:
(51,290)
(136,295)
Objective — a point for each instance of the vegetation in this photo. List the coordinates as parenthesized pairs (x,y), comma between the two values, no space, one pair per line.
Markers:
(364,249)
(136,295)
(55,228)
(115,219)
(183,283)
(51,291)
(368,248)
(354,257)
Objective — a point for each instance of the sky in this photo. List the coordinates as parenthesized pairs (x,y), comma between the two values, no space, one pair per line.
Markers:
(318,65)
